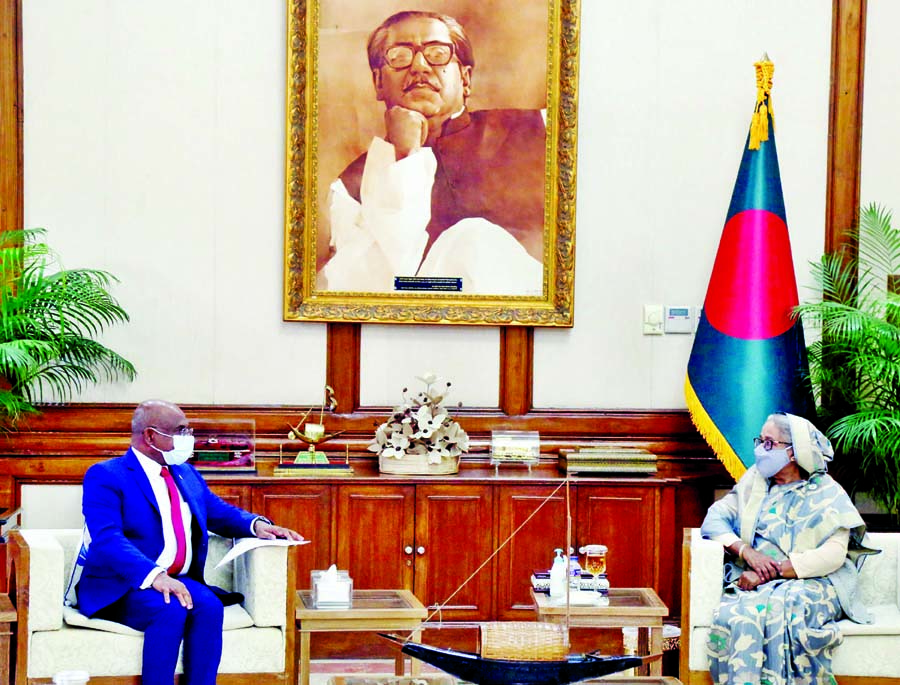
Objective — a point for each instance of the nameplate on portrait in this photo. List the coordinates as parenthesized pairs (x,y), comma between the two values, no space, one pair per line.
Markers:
(428,283)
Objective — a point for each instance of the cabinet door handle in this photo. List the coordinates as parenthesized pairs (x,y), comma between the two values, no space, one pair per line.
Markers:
(408,549)
(420,550)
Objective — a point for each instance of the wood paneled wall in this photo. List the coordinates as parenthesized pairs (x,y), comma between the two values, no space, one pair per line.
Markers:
(86,431)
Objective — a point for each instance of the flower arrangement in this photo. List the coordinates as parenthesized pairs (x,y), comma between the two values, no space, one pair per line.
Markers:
(421,425)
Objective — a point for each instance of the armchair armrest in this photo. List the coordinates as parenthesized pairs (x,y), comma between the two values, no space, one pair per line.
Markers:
(46,581)
(707,562)
(261,575)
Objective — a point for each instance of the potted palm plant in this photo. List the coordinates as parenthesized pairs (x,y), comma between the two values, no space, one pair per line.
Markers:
(50,318)
(855,362)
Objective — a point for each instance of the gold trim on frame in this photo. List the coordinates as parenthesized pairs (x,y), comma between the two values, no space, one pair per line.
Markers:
(304,302)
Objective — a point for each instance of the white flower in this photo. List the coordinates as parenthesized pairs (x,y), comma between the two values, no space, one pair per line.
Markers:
(424,416)
(428,378)
(393,452)
(399,441)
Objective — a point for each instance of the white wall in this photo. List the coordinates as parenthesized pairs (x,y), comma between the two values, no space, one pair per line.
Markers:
(667,91)
(881,140)
(154,147)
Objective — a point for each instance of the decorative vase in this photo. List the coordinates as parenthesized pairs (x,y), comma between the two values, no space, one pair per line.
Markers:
(417,465)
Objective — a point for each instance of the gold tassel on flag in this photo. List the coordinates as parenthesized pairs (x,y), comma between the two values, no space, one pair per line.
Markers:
(759,124)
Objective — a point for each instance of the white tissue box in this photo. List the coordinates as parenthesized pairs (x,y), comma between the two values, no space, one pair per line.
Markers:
(332,590)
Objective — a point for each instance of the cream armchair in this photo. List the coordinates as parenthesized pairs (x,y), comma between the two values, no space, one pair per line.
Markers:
(258,641)
(869,653)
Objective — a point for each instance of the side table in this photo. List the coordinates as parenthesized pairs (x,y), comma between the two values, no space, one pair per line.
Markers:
(640,607)
(370,611)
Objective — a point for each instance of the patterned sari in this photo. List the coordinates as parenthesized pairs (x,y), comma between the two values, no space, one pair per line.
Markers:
(784,631)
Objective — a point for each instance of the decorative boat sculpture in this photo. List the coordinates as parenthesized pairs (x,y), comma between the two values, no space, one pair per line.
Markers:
(486,671)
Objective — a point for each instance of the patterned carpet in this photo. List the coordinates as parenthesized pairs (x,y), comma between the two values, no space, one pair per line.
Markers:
(321,671)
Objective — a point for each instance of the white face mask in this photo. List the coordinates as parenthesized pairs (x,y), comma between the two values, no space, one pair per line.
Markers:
(770,462)
(182,448)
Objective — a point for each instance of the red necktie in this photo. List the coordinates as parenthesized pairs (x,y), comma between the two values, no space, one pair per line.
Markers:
(177,523)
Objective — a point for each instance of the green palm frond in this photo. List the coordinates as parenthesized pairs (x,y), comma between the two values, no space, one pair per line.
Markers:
(49,317)
(855,361)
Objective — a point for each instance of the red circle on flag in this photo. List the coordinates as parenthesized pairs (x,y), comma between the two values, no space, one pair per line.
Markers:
(752,289)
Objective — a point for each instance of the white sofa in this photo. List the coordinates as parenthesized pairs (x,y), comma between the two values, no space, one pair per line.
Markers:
(258,641)
(869,653)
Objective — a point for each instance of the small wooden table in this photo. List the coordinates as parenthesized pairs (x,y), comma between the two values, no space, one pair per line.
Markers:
(370,610)
(640,607)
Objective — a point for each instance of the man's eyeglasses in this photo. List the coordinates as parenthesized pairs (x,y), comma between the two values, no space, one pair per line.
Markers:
(185,430)
(769,444)
(435,53)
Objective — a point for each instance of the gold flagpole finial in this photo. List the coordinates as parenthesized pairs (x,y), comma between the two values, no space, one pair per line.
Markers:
(759,124)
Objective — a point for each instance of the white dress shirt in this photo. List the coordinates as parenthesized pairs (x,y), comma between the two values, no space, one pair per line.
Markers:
(161,492)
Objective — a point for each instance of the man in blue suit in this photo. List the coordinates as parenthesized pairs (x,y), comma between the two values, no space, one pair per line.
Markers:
(145,550)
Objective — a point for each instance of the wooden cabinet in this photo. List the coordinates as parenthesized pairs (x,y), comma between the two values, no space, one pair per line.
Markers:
(240,496)
(430,537)
(376,543)
(626,520)
(308,510)
(636,523)
(538,529)
(424,538)
(632,519)
(454,542)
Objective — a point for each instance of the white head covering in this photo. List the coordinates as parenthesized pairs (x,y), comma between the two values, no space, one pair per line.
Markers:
(811,448)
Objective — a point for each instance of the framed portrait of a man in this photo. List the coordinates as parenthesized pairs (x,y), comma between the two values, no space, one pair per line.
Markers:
(430,161)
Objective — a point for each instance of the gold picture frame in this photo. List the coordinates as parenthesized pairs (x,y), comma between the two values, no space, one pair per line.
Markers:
(332,110)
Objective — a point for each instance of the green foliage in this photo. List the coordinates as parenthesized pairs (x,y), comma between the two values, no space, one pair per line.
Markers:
(49,318)
(855,363)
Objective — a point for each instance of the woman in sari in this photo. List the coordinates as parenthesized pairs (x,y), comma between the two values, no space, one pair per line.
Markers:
(793,536)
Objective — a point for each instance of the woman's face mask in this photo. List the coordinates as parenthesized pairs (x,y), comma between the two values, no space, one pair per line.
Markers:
(770,462)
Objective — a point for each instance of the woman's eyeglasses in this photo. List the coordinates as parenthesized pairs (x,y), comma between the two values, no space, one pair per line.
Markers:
(768,444)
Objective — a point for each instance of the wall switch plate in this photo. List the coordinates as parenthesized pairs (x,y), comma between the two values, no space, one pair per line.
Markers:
(654,323)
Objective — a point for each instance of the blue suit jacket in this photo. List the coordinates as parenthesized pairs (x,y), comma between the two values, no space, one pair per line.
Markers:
(125,525)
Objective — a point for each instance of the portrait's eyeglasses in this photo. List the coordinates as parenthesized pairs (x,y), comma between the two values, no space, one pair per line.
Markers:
(435,53)
(768,444)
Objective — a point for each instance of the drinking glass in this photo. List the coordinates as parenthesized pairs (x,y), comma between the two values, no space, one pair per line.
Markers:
(594,560)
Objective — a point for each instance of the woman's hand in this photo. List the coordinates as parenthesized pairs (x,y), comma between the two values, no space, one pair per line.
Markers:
(749,580)
(765,566)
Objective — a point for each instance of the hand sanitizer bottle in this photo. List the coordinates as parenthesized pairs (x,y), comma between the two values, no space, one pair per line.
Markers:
(558,576)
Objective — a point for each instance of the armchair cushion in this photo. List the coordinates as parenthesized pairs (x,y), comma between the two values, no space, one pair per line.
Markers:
(235,617)
(248,650)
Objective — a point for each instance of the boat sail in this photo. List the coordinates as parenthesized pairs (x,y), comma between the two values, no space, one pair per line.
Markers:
(521,653)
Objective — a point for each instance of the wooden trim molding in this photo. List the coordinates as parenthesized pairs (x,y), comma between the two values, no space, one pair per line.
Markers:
(516,369)
(11,195)
(103,429)
(848,49)
(342,364)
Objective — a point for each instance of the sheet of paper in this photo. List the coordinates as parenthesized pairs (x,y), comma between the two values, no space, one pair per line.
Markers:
(246,544)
